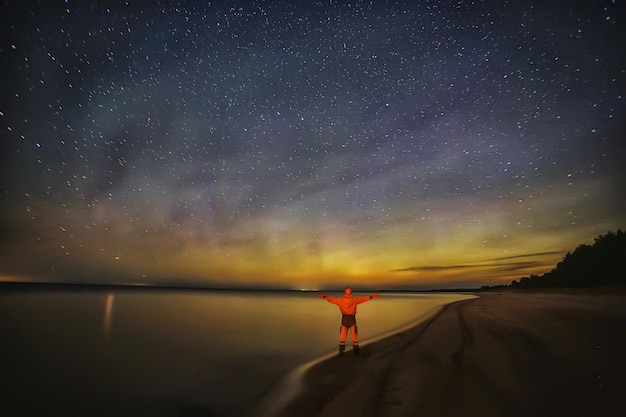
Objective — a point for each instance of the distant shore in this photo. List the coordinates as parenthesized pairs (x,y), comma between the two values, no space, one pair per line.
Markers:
(503,354)
(85,286)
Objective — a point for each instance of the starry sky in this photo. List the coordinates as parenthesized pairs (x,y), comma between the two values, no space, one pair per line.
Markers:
(305,144)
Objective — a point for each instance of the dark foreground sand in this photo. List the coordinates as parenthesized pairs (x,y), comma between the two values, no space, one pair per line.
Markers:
(497,355)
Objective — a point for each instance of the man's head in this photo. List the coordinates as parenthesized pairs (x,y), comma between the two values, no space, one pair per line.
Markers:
(348,292)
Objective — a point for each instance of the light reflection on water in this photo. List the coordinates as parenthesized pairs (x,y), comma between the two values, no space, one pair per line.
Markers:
(108,316)
(137,352)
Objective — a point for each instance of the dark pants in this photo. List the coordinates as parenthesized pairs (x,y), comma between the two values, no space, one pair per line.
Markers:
(348,321)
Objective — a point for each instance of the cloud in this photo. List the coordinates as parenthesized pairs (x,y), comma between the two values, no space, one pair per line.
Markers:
(491,264)
(527,255)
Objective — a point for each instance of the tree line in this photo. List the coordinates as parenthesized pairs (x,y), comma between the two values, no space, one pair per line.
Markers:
(601,264)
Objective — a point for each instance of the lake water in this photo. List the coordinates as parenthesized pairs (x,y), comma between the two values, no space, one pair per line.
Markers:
(135,352)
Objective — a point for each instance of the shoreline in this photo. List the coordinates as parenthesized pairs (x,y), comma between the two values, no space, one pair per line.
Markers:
(498,354)
(292,385)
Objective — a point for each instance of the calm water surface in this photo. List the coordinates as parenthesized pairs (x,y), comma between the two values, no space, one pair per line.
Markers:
(171,353)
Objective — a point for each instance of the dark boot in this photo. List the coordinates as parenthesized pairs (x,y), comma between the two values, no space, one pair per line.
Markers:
(342,349)
(356,349)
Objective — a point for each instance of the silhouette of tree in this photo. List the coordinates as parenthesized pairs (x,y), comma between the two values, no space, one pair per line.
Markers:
(603,263)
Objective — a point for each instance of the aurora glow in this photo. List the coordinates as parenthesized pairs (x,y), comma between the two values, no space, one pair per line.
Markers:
(419,144)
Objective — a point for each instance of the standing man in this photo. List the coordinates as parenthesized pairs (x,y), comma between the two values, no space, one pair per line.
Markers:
(347,305)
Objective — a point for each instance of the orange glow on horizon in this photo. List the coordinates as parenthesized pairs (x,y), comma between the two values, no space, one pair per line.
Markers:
(456,250)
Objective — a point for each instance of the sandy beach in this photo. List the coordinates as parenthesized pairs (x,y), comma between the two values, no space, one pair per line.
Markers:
(502,354)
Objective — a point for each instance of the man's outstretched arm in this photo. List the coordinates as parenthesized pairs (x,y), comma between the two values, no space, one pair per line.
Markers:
(328,298)
(365,298)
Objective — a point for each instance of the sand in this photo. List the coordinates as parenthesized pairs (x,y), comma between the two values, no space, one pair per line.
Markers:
(504,354)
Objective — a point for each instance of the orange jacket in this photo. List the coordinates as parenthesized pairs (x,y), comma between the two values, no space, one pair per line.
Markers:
(347,304)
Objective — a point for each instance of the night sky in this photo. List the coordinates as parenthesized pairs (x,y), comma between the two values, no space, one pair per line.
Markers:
(308,144)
